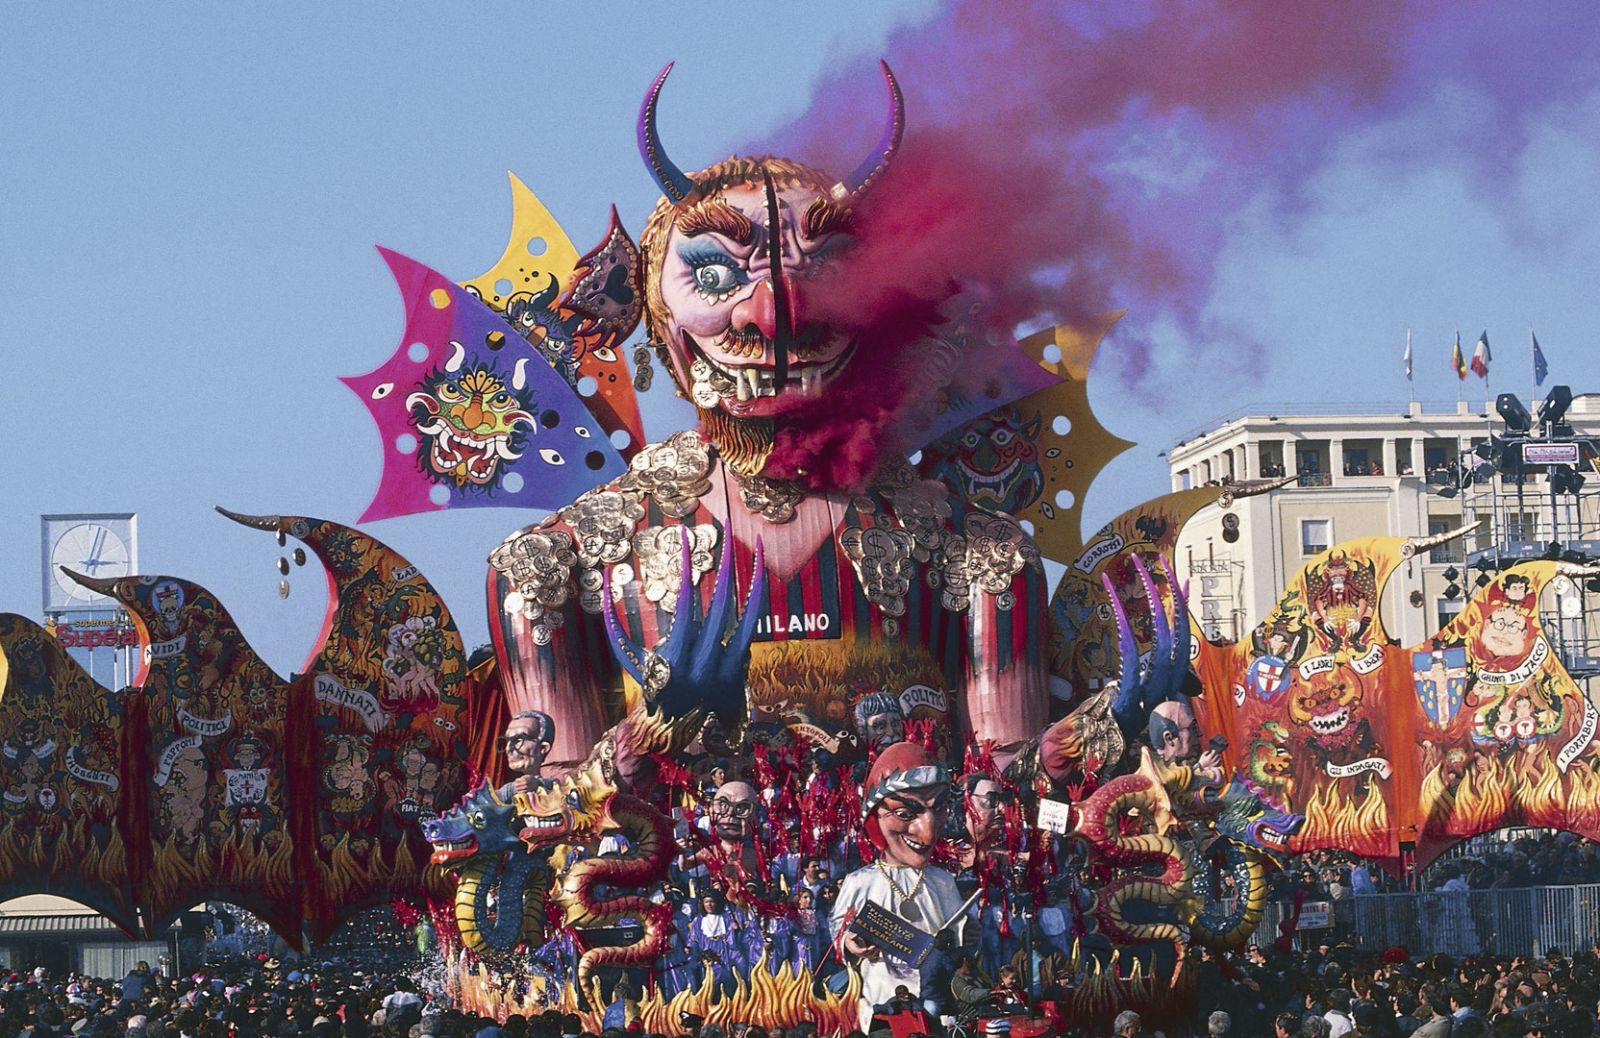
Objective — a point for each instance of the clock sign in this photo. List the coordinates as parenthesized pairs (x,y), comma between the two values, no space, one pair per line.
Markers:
(96,546)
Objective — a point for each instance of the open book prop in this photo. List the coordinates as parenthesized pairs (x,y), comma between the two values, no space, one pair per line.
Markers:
(897,938)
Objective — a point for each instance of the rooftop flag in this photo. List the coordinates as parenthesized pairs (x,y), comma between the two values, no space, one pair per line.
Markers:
(1481,357)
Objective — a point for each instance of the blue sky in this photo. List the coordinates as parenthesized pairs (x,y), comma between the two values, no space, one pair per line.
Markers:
(189,196)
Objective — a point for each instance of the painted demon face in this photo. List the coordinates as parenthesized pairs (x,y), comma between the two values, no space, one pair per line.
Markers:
(472,421)
(1326,709)
(910,822)
(719,290)
(995,462)
(730,257)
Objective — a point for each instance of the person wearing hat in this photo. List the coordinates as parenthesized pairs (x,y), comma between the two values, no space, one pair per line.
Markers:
(904,801)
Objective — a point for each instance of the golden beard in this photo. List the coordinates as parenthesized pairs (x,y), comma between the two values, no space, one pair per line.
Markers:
(744,443)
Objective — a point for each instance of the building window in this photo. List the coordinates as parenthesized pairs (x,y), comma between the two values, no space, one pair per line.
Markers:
(1183,480)
(1447,552)
(1315,536)
(1271,458)
(1447,612)
(1522,526)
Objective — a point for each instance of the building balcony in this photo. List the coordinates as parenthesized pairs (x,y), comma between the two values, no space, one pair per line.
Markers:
(1314,479)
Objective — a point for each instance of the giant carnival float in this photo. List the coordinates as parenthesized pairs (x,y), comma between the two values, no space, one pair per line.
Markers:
(801,651)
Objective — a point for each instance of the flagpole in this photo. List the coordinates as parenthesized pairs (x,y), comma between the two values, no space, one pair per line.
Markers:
(1411,381)
(1533,370)
(1458,366)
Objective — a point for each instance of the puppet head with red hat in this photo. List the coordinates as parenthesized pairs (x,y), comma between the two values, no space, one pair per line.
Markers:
(903,804)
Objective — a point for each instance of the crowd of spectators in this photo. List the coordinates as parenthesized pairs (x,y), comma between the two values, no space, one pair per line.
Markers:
(1327,992)
(1330,875)
(1336,991)
(1534,859)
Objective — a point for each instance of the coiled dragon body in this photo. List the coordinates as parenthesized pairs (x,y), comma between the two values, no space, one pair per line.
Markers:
(476,839)
(1173,876)
(584,808)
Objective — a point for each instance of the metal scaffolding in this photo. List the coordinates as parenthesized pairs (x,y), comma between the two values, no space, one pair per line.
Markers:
(1531,489)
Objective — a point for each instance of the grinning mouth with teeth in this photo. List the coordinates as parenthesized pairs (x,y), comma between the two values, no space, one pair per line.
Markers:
(535,826)
(1272,837)
(1331,724)
(999,485)
(755,381)
(447,851)
(477,457)
(916,847)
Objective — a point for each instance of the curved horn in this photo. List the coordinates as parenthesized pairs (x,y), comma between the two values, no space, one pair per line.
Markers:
(668,177)
(874,165)
(1252,488)
(100,584)
(546,296)
(1433,540)
(255,522)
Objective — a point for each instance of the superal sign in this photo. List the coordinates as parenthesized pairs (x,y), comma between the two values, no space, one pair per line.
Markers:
(82,635)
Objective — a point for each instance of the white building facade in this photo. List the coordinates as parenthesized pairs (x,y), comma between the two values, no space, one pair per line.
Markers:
(1370,472)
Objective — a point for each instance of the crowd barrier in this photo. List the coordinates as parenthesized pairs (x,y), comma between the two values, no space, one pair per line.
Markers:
(1525,921)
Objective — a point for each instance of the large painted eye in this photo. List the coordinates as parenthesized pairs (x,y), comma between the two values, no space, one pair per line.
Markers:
(1001,437)
(502,401)
(716,277)
(449,391)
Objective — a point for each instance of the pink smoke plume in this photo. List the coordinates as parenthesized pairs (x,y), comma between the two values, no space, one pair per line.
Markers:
(1069,159)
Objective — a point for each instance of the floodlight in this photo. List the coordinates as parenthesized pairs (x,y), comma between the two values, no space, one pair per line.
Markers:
(1513,413)
(1564,479)
(1555,405)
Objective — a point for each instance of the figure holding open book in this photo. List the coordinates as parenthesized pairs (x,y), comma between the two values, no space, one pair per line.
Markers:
(889,913)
